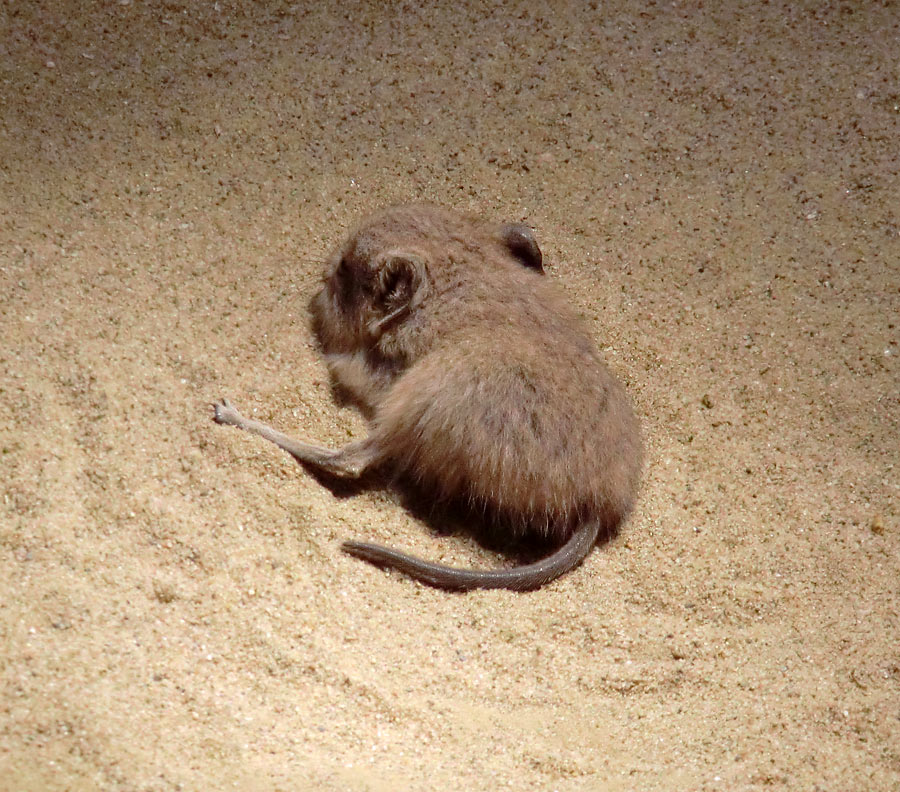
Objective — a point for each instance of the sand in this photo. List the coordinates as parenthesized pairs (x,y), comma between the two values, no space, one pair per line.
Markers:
(714,186)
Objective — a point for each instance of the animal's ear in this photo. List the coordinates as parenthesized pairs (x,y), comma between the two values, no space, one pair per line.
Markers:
(519,240)
(400,286)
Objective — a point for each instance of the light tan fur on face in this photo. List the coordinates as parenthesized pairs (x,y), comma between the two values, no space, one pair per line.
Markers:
(481,384)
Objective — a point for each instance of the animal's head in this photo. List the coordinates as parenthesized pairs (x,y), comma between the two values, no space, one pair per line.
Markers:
(396,260)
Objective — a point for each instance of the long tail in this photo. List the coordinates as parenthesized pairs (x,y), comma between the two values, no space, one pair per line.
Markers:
(523,578)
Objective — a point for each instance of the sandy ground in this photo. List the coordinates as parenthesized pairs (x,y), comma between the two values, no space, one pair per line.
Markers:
(716,189)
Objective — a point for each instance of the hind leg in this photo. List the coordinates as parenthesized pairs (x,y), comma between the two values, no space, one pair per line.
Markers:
(349,462)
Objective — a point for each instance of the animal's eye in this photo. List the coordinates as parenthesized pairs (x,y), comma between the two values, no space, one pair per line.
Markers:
(342,281)
(346,273)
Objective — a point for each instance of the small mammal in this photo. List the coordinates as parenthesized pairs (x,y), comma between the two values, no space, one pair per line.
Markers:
(482,387)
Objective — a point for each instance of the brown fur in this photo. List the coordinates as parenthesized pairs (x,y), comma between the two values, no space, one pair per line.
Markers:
(480,383)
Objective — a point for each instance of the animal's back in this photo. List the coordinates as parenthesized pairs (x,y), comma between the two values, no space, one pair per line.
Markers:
(516,413)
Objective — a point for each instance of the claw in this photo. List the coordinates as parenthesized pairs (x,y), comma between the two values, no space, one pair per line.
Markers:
(225,413)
